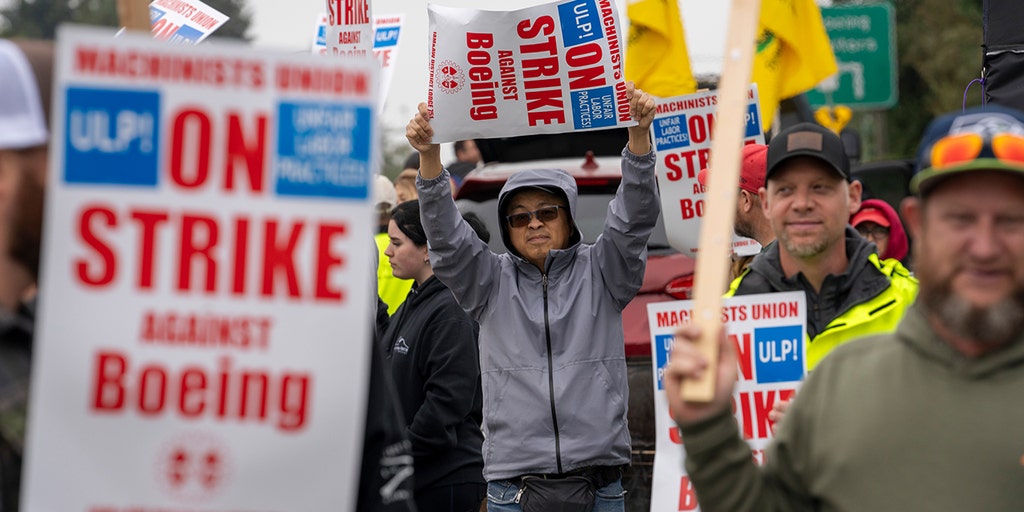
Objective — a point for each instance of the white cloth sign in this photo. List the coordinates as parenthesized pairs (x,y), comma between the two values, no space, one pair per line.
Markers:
(683,130)
(204,315)
(767,331)
(545,69)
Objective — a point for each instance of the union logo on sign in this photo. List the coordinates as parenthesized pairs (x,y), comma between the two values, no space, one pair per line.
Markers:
(450,77)
(193,466)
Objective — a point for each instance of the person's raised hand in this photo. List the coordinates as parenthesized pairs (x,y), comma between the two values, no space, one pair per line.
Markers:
(687,362)
(419,132)
(778,411)
(642,108)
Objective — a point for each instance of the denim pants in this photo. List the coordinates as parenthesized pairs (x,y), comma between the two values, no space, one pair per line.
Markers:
(501,495)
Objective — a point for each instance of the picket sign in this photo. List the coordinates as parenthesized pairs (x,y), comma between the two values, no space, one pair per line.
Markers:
(715,240)
(203,326)
(349,28)
(550,68)
(766,332)
(683,130)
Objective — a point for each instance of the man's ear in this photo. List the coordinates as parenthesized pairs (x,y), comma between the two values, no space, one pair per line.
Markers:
(912,210)
(763,194)
(745,201)
(856,191)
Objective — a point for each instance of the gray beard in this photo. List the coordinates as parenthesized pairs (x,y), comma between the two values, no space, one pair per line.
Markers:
(994,325)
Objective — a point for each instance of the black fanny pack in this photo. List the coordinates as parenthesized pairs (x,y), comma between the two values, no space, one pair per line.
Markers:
(574,492)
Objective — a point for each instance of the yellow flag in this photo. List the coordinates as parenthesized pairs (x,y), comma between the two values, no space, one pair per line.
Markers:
(656,56)
(793,52)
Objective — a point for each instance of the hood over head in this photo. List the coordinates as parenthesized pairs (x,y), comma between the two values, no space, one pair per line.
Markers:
(554,181)
(898,243)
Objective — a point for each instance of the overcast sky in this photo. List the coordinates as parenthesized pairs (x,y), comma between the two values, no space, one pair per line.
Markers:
(289,24)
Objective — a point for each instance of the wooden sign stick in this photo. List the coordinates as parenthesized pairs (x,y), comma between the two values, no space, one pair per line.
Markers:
(715,240)
(134,14)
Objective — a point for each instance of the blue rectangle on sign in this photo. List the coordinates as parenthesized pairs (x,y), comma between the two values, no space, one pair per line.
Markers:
(111,136)
(779,354)
(387,36)
(662,351)
(155,14)
(323,150)
(321,35)
(593,108)
(186,34)
(581,22)
(671,132)
(753,123)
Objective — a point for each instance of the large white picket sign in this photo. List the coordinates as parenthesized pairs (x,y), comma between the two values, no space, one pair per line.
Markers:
(204,320)
(545,69)
(767,331)
(683,130)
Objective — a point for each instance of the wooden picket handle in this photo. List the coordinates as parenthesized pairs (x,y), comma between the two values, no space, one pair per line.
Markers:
(715,240)
(134,14)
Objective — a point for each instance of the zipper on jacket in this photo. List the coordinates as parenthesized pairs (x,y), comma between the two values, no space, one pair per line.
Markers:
(551,375)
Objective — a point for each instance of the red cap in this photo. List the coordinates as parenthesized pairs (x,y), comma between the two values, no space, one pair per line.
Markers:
(753,163)
(870,215)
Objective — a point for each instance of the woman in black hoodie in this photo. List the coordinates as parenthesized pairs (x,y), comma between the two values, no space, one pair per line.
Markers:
(431,350)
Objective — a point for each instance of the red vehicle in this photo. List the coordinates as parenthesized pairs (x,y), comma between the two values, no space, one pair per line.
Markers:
(668,275)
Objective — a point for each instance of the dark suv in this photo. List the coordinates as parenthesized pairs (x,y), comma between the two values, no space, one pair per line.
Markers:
(593,158)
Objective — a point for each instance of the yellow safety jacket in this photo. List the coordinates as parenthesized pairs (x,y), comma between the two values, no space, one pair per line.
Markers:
(878,314)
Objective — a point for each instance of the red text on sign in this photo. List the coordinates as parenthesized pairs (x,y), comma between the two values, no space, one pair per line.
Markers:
(152,389)
(542,85)
(687,494)
(481,87)
(752,408)
(212,254)
(686,163)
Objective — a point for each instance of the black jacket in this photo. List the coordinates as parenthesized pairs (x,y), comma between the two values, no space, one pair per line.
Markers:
(861,282)
(15,361)
(430,346)
(386,474)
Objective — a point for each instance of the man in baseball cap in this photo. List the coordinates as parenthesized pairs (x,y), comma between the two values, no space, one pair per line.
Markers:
(750,219)
(808,199)
(888,422)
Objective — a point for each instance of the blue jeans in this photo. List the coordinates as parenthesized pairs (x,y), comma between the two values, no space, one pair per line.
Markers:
(501,495)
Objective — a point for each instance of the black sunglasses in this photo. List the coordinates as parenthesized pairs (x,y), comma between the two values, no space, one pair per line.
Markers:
(545,214)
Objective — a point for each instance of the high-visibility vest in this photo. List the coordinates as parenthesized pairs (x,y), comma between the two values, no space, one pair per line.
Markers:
(878,315)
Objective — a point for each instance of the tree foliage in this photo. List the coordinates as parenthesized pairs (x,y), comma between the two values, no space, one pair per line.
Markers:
(38,19)
(938,53)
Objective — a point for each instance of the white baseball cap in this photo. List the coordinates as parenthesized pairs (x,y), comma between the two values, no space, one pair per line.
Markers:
(384,192)
(22,123)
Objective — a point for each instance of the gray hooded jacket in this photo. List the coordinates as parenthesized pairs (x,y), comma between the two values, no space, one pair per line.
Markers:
(552,359)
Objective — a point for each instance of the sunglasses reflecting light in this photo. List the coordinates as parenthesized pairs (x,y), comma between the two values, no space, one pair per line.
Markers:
(545,214)
(963,148)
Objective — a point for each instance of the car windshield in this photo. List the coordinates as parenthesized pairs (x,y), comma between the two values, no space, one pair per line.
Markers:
(591,210)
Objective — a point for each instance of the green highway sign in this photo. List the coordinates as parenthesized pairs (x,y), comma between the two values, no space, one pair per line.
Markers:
(864,41)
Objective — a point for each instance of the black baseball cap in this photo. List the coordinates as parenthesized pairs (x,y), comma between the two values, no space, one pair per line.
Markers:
(808,139)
